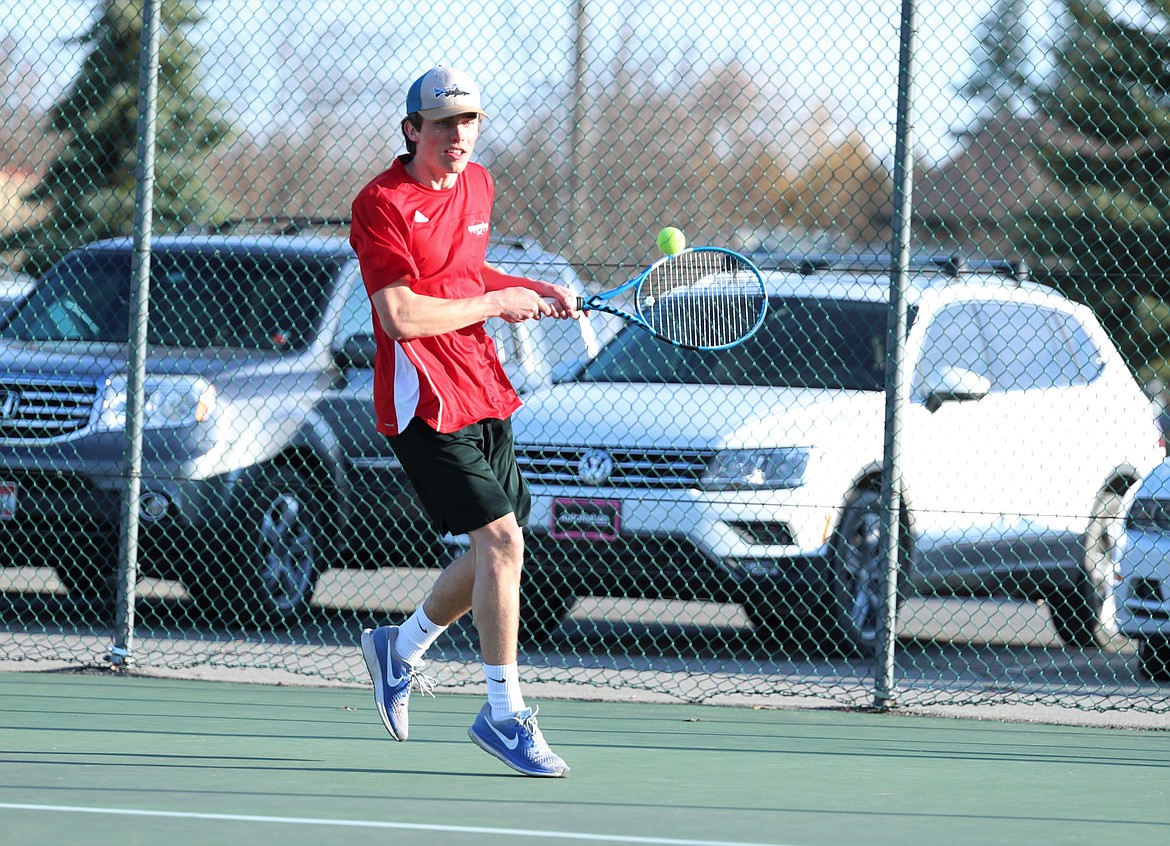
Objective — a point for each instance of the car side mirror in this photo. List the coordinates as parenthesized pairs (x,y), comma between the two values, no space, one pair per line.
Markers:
(358,351)
(953,384)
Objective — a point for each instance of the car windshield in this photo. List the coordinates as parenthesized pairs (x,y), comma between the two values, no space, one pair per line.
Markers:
(803,343)
(197,300)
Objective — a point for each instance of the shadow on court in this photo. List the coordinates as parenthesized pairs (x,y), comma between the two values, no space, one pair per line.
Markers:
(98,758)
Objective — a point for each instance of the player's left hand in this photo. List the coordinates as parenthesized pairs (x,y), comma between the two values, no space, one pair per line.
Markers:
(562,302)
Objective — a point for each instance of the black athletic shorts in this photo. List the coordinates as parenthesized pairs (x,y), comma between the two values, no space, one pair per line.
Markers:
(466,479)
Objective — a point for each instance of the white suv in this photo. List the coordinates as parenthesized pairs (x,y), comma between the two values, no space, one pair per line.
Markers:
(752,475)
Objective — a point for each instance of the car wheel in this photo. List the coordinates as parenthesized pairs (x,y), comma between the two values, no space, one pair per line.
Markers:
(1154,659)
(856,599)
(265,568)
(1076,606)
(844,618)
(546,598)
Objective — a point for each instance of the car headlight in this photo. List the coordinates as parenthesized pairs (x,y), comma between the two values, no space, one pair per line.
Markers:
(734,469)
(170,402)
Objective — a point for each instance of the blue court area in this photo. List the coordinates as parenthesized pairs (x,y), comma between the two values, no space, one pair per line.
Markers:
(97,758)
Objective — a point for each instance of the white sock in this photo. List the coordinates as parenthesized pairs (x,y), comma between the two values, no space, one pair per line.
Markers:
(415,637)
(503,684)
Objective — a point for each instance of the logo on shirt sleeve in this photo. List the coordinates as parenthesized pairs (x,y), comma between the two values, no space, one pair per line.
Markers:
(478,229)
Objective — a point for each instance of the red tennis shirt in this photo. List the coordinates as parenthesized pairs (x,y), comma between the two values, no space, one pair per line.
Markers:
(437,240)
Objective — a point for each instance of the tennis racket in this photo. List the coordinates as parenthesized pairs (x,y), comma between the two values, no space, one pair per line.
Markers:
(704,298)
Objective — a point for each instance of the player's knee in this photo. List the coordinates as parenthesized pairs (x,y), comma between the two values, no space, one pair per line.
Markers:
(504,538)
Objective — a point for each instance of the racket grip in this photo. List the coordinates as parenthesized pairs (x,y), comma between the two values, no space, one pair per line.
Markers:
(580,303)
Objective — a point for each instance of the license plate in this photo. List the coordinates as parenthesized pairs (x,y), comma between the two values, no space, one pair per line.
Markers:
(7,500)
(586,519)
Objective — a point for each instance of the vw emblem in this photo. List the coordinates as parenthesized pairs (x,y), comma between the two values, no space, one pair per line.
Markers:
(595,466)
(8,403)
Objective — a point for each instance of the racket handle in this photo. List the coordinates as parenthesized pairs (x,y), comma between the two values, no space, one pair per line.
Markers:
(580,303)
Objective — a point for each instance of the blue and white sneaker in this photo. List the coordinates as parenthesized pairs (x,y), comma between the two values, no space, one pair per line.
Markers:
(392,679)
(517,742)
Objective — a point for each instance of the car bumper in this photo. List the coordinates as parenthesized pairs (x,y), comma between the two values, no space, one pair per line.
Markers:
(1143,590)
(683,543)
(53,513)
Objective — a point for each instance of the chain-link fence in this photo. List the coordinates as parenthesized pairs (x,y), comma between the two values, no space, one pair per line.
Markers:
(931,477)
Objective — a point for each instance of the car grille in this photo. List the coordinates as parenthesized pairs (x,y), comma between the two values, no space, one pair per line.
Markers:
(44,410)
(628,468)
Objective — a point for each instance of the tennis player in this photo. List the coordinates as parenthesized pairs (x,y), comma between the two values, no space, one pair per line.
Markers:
(421,231)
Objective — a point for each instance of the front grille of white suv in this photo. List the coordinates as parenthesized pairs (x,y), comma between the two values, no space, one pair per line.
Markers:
(44,410)
(613,467)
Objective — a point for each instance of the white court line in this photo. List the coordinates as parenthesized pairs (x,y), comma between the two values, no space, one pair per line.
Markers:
(398,826)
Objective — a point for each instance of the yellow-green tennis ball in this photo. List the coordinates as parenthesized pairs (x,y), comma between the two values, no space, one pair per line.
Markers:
(671,241)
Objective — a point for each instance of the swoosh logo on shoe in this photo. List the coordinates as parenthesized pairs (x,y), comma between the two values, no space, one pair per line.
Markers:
(510,742)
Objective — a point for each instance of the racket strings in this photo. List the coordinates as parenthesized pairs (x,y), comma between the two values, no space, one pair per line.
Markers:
(703,299)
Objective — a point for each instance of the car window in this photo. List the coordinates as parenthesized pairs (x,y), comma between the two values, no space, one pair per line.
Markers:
(1085,360)
(197,300)
(507,339)
(1029,348)
(953,340)
(564,340)
(804,342)
(357,316)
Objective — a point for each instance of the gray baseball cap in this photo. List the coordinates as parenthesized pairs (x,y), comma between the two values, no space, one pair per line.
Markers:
(443,92)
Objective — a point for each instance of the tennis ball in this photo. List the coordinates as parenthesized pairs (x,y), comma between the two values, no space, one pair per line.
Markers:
(671,241)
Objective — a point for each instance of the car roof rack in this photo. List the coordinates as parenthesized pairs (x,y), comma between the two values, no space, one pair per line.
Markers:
(517,242)
(270,225)
(297,224)
(953,266)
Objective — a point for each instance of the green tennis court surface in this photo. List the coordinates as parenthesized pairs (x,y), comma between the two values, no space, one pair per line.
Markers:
(101,759)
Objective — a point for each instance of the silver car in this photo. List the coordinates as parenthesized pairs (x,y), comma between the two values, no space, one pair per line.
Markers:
(1143,573)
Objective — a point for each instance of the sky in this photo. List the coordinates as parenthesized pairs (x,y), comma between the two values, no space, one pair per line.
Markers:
(842,53)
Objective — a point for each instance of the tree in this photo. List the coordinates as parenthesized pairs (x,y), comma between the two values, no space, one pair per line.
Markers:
(22,146)
(844,191)
(1110,97)
(1000,80)
(692,152)
(90,185)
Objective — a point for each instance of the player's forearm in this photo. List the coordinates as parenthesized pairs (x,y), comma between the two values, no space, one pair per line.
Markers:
(406,315)
(495,279)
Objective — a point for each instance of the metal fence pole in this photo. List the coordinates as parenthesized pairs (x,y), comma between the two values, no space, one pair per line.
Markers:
(884,693)
(122,652)
(579,133)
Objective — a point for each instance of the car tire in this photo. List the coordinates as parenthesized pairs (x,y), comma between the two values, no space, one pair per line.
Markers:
(1154,659)
(856,600)
(546,598)
(843,617)
(1076,606)
(265,567)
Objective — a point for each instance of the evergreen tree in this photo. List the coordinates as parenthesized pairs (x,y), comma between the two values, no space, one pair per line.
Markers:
(1000,79)
(1110,94)
(90,186)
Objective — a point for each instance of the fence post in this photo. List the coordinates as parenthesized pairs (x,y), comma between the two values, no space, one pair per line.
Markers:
(884,693)
(122,652)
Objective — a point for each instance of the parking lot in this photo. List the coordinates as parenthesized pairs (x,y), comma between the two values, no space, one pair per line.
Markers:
(991,658)
(395,591)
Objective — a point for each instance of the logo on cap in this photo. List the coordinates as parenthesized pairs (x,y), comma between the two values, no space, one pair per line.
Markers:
(452,92)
